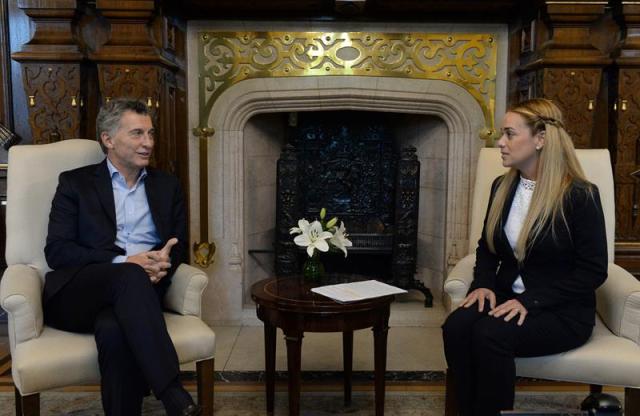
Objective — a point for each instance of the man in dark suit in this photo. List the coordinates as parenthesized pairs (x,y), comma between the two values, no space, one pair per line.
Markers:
(117,232)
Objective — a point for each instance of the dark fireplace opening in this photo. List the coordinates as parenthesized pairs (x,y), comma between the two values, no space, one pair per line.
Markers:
(264,138)
(351,163)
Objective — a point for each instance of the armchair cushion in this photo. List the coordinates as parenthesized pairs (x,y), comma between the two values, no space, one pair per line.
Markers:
(36,168)
(458,281)
(193,339)
(55,359)
(606,359)
(21,297)
(185,292)
(618,303)
(58,359)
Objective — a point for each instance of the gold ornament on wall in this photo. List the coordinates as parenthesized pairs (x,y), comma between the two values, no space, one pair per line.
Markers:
(465,59)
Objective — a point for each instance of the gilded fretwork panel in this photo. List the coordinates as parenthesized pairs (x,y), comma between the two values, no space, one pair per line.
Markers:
(468,60)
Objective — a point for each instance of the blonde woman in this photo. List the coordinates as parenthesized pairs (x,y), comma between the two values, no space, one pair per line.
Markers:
(542,254)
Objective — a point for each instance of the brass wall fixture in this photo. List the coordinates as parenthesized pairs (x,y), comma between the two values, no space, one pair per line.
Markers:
(624,105)
(204,250)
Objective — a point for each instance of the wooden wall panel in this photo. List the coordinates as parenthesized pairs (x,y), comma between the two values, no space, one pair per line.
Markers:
(19,34)
(575,90)
(6,111)
(627,155)
(55,100)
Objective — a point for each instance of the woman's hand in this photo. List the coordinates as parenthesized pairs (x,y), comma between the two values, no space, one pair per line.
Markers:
(480,295)
(510,308)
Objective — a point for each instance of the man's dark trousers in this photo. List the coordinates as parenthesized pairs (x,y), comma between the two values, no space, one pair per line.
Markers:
(120,305)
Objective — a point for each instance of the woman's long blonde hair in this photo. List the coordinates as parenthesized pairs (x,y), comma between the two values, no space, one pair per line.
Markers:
(558,168)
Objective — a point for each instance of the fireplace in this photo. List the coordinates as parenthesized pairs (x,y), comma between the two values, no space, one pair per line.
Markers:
(441,119)
(355,165)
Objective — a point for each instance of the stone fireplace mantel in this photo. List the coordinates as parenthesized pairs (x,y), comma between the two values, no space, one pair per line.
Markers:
(458,110)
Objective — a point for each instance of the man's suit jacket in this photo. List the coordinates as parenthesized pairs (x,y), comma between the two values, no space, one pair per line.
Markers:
(560,272)
(82,222)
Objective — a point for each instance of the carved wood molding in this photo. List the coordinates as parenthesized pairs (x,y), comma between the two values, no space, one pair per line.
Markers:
(567,36)
(53,93)
(135,81)
(53,26)
(137,34)
(628,50)
(575,91)
(51,70)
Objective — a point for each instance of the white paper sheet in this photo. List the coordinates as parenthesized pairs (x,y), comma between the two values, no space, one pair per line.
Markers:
(351,292)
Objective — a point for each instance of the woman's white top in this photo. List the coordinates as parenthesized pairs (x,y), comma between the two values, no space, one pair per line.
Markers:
(517,214)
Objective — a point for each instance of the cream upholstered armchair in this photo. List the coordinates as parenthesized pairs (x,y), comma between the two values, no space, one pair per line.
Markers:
(612,356)
(44,358)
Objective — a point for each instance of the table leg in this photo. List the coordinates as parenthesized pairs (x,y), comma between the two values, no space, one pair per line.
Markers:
(294,350)
(347,357)
(380,358)
(270,364)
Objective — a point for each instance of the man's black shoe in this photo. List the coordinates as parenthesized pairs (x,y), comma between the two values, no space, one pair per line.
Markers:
(192,410)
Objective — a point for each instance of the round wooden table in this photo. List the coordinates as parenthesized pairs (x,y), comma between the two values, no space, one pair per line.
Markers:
(289,304)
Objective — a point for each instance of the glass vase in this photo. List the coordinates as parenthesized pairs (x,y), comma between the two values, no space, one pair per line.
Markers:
(313,269)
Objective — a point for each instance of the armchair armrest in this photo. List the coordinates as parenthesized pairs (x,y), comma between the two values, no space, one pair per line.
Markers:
(618,303)
(458,281)
(21,297)
(184,295)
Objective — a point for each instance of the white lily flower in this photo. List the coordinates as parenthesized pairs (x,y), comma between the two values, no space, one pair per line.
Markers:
(312,237)
(339,239)
(303,226)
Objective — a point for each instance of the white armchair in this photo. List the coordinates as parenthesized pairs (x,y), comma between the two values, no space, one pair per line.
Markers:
(612,356)
(45,358)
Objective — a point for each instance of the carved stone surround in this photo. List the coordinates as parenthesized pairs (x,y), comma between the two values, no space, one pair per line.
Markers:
(227,198)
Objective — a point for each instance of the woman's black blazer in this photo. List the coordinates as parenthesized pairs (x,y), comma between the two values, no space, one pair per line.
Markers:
(561,272)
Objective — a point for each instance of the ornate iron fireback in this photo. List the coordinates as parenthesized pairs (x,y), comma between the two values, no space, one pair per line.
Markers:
(348,163)
(349,168)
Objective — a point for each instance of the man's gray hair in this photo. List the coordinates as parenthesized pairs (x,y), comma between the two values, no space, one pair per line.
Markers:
(110,114)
